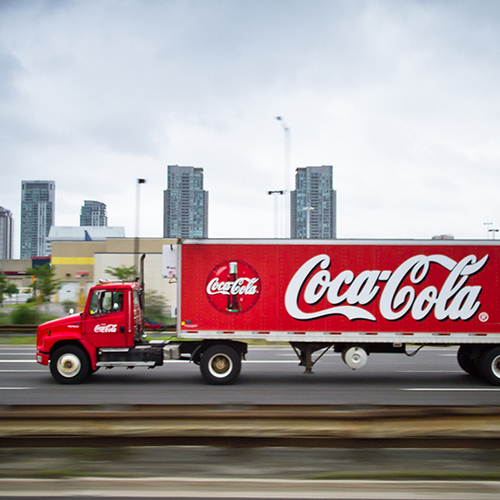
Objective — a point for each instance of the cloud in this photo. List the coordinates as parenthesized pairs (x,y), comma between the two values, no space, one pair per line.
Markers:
(400,97)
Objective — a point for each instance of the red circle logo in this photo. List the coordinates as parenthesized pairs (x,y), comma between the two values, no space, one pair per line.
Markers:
(233,287)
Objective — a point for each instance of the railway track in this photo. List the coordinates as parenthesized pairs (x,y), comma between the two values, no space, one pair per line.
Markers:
(250,426)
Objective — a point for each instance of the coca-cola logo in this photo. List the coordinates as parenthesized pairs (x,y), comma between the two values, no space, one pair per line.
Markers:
(348,293)
(105,328)
(233,287)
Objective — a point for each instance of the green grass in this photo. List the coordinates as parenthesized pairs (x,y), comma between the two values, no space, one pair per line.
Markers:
(65,473)
(17,340)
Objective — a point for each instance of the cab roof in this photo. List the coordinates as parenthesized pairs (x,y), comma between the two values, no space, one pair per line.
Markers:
(117,285)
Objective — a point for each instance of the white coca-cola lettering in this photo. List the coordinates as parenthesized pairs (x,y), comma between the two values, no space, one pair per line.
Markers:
(453,301)
(241,286)
(106,328)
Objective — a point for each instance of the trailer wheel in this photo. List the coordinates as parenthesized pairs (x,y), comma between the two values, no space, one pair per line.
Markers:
(220,365)
(490,365)
(69,365)
(468,358)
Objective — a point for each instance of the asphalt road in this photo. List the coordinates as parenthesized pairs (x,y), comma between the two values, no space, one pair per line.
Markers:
(269,376)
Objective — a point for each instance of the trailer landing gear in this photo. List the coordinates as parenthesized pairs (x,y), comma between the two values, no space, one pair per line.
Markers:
(305,350)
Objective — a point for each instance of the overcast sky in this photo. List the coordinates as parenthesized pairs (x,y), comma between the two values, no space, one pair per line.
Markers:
(401,97)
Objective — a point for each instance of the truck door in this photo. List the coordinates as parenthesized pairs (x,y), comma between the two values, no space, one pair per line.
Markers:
(106,320)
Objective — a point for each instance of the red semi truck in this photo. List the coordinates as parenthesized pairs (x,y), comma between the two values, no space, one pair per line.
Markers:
(356,297)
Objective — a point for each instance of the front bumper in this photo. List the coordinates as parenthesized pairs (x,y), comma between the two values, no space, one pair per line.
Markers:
(42,358)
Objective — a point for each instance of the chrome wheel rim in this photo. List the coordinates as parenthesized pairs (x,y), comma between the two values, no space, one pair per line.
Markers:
(495,366)
(69,365)
(220,365)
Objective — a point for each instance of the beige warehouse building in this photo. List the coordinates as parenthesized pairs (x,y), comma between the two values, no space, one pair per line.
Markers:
(81,264)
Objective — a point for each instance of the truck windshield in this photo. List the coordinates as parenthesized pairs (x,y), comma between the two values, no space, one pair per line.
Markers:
(105,302)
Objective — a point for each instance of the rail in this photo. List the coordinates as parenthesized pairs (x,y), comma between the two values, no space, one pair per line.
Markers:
(21,329)
(251,426)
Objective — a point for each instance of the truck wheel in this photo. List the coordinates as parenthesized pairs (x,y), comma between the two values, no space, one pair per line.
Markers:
(69,365)
(468,359)
(490,365)
(220,365)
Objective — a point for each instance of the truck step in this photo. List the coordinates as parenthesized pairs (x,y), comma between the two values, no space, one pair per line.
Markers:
(125,364)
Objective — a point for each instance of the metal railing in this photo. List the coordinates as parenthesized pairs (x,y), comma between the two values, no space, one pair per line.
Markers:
(18,329)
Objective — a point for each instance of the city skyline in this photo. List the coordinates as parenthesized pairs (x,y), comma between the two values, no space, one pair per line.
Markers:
(185,195)
(399,96)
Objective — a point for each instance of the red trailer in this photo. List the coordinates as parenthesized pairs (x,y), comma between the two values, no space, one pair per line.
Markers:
(356,297)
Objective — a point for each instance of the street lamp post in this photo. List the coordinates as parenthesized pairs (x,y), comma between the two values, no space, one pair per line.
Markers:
(308,221)
(276,211)
(137,212)
(286,218)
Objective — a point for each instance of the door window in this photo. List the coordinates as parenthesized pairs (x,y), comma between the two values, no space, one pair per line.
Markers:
(105,302)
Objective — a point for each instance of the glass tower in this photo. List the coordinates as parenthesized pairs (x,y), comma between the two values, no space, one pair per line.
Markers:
(314,204)
(185,204)
(6,233)
(37,216)
(93,213)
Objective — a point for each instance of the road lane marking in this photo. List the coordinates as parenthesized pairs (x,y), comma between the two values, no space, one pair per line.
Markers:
(295,361)
(12,352)
(17,360)
(17,354)
(7,349)
(454,389)
(14,388)
(428,371)
(23,371)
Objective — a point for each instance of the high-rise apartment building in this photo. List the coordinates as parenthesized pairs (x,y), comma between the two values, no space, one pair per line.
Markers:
(185,204)
(6,233)
(93,213)
(37,216)
(314,204)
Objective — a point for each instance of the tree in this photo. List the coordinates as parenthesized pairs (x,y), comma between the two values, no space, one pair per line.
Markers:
(122,273)
(156,307)
(45,282)
(6,287)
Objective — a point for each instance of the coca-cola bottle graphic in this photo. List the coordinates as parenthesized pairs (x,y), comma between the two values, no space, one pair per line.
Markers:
(233,301)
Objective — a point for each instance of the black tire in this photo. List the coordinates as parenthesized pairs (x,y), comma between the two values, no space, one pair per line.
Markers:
(490,365)
(69,364)
(220,365)
(468,359)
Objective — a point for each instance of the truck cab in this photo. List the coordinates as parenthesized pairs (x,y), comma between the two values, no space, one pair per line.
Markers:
(109,333)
